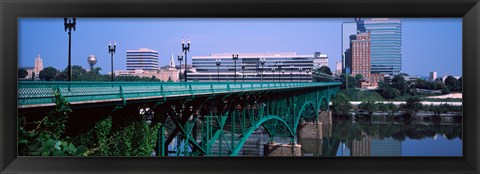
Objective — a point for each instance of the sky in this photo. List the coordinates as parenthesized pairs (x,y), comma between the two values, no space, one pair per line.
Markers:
(428,44)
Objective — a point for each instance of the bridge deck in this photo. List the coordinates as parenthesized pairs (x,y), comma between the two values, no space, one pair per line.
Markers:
(39,94)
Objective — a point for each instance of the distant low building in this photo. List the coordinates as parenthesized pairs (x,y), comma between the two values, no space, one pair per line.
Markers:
(433,75)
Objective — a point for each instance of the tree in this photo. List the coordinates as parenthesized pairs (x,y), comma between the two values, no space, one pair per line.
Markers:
(169,79)
(77,72)
(318,74)
(352,82)
(445,90)
(460,81)
(382,107)
(22,73)
(399,83)
(341,104)
(392,108)
(452,83)
(48,73)
(369,105)
(390,93)
(413,105)
(359,77)
(325,70)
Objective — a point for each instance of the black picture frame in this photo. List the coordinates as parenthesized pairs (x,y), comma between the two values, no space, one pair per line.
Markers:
(10,10)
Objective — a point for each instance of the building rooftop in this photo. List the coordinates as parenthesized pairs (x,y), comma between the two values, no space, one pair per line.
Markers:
(253,55)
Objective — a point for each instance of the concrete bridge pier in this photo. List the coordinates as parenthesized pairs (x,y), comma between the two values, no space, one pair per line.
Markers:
(278,149)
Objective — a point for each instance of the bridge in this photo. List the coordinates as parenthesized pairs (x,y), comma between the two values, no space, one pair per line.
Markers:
(197,115)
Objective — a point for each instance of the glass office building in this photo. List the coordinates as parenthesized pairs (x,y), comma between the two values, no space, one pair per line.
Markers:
(278,67)
(386,43)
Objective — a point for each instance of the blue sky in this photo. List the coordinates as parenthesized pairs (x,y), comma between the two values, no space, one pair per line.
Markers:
(428,44)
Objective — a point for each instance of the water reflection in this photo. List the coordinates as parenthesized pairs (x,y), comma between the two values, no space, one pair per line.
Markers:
(345,137)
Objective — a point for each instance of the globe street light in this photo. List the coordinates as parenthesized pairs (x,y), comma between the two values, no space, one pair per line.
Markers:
(111,50)
(180,59)
(262,63)
(69,24)
(219,61)
(185,49)
(243,71)
(235,58)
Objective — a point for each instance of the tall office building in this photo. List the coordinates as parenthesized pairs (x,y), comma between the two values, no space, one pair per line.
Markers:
(278,67)
(348,29)
(385,37)
(319,60)
(386,43)
(360,46)
(142,60)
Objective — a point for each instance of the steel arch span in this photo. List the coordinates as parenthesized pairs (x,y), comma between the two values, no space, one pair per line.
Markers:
(196,119)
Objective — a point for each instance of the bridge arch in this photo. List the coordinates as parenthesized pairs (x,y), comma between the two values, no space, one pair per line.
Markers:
(259,123)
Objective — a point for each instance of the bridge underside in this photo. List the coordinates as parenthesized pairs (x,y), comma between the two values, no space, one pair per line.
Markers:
(206,125)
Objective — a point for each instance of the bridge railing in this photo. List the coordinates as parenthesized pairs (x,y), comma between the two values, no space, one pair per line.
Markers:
(31,94)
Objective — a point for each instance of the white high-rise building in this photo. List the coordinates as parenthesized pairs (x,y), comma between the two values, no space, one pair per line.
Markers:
(339,69)
(319,60)
(142,60)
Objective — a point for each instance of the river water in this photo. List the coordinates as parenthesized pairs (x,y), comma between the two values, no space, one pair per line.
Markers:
(370,138)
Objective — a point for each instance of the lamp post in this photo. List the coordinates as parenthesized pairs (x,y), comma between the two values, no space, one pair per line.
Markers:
(291,75)
(307,72)
(219,61)
(69,24)
(235,58)
(262,63)
(300,75)
(279,64)
(111,50)
(243,72)
(185,49)
(273,74)
(180,59)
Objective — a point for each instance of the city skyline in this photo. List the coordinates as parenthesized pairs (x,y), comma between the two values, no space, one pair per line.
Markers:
(436,42)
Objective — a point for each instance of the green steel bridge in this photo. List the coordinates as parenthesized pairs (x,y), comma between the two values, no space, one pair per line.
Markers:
(198,115)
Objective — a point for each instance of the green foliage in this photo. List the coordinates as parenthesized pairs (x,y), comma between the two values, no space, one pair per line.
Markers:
(412,105)
(369,105)
(352,82)
(423,84)
(452,83)
(22,73)
(324,70)
(47,138)
(390,93)
(445,90)
(48,73)
(341,104)
(102,131)
(398,82)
